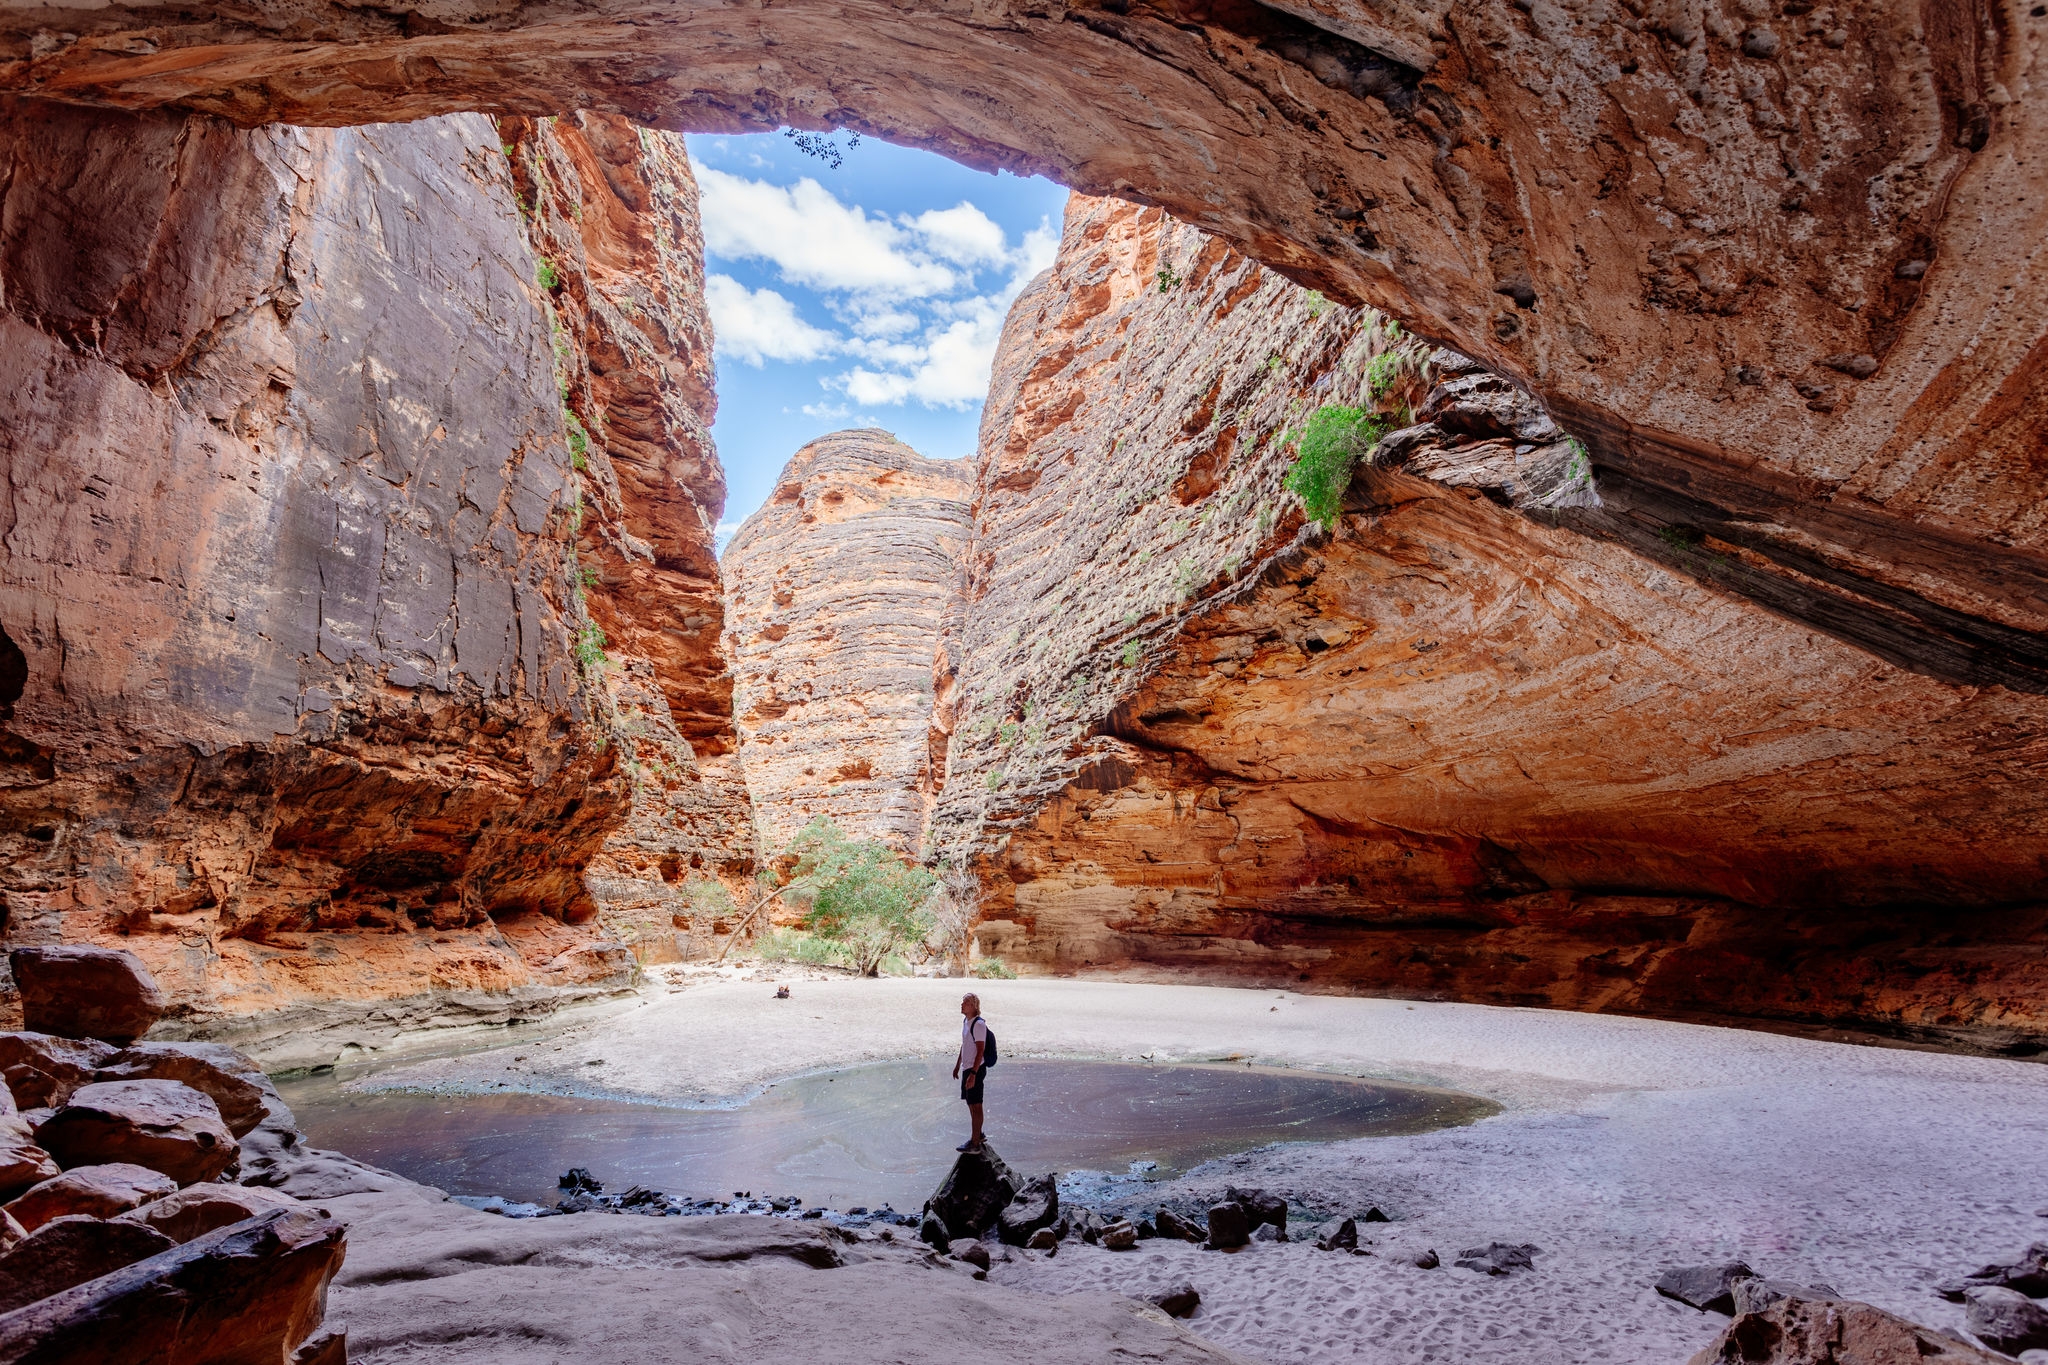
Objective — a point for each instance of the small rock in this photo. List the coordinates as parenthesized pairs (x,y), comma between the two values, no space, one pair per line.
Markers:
(1266,1232)
(1121,1235)
(1427,1260)
(1146,1230)
(2007,1320)
(1373,1215)
(164,1125)
(1913,270)
(1499,1258)
(1171,1224)
(577,1178)
(91,1191)
(2028,1273)
(1228,1227)
(1179,1301)
(1833,1332)
(1755,1294)
(1045,1239)
(78,992)
(1339,1234)
(1855,366)
(240,1099)
(1086,1224)
(971,1250)
(69,1251)
(1036,1207)
(931,1230)
(1760,43)
(199,1209)
(1709,1288)
(22,1163)
(975,1192)
(1259,1206)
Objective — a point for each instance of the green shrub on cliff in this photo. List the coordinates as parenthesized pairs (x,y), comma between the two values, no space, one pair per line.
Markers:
(863,897)
(1331,442)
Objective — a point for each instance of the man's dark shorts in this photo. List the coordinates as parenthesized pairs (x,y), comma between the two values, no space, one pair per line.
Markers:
(970,1084)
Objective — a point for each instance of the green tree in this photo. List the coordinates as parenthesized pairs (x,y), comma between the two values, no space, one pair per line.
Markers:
(861,894)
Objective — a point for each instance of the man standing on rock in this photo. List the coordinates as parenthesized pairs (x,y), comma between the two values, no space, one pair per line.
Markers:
(969,1068)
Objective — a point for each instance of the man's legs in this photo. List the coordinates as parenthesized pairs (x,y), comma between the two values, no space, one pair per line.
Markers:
(974,1138)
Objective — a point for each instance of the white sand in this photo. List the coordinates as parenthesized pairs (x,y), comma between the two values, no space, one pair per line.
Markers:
(1627,1146)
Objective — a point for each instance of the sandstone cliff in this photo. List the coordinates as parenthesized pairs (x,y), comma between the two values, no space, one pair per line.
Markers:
(1777,265)
(837,587)
(612,212)
(289,578)
(1474,743)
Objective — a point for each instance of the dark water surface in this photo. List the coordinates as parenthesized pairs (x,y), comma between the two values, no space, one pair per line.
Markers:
(868,1135)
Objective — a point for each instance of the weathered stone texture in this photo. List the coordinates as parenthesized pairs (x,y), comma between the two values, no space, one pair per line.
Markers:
(1779,269)
(285,571)
(1469,745)
(837,587)
(612,210)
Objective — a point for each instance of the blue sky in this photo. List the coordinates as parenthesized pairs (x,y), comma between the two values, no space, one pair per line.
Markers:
(870,294)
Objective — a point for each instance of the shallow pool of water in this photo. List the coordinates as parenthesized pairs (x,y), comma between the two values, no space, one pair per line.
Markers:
(868,1135)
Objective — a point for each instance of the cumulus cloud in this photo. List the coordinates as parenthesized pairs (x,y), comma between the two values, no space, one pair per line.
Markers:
(755,325)
(920,300)
(814,240)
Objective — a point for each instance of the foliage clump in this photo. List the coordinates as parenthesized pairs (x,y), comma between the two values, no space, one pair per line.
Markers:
(590,643)
(863,897)
(1331,442)
(544,272)
(993,969)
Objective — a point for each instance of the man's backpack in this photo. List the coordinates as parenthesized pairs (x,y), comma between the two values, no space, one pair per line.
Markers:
(988,1044)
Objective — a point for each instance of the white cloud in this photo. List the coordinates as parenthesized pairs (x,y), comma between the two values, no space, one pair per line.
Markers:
(962,234)
(814,240)
(753,325)
(1041,246)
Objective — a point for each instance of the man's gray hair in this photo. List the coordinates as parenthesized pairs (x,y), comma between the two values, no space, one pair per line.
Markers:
(971,996)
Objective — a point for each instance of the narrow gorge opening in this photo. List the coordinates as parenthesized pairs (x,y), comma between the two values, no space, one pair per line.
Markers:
(1475,542)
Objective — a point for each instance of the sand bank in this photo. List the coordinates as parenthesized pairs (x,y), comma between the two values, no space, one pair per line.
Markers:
(1625,1146)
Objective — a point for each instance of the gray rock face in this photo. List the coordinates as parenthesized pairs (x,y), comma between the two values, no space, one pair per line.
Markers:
(978,1188)
(2006,1319)
(1709,1288)
(84,992)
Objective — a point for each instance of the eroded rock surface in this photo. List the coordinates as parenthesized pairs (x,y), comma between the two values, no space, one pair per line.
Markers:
(297,684)
(837,587)
(1777,267)
(1474,743)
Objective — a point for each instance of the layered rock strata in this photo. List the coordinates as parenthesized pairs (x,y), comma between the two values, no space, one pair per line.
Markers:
(837,587)
(1777,266)
(612,212)
(1471,743)
(290,581)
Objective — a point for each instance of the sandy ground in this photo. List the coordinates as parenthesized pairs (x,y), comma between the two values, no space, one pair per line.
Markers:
(1626,1146)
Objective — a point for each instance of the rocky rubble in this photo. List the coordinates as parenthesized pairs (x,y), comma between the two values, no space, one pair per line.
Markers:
(127,1243)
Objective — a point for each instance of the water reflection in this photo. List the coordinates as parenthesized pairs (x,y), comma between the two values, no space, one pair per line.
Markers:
(867,1135)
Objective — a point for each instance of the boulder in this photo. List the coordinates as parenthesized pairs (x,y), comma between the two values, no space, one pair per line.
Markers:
(1036,1206)
(2006,1320)
(932,1231)
(1834,1332)
(1179,1301)
(1229,1228)
(1045,1239)
(242,1101)
(1266,1232)
(1339,1234)
(1709,1288)
(199,1209)
(69,1251)
(971,1250)
(23,1163)
(2028,1274)
(1171,1224)
(1499,1258)
(975,1192)
(1259,1207)
(1121,1235)
(1756,1294)
(164,1125)
(92,1192)
(77,992)
(251,1292)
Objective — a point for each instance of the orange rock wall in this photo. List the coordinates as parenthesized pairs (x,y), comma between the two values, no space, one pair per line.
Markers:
(290,573)
(1778,267)
(1474,744)
(837,589)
